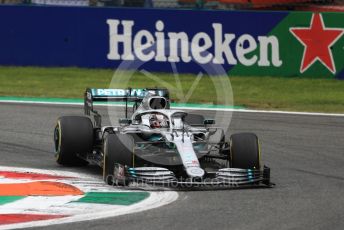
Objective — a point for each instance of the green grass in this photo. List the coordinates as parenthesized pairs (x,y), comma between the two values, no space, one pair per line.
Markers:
(292,94)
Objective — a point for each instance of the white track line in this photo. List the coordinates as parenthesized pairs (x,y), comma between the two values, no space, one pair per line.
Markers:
(189,108)
(155,200)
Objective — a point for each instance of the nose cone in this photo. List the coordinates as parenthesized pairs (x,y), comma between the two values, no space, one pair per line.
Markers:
(195,172)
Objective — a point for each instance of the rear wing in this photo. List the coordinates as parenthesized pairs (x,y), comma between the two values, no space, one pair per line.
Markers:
(118,95)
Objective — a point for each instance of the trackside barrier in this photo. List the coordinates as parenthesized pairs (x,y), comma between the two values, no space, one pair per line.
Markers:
(245,43)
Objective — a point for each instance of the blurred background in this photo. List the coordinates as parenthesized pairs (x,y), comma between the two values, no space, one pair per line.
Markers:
(308,5)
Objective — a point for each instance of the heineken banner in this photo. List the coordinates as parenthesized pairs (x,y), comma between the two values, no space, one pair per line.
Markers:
(290,44)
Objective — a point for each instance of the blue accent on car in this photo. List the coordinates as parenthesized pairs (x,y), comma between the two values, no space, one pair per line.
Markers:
(199,146)
(155,137)
(250,175)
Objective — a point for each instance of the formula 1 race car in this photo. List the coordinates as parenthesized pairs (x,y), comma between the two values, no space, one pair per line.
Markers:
(157,145)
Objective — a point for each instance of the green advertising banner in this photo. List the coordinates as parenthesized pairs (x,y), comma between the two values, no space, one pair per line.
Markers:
(310,45)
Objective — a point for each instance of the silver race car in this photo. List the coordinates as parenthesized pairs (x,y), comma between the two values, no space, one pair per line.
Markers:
(157,145)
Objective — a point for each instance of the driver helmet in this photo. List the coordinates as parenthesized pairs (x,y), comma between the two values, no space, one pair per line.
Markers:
(154,121)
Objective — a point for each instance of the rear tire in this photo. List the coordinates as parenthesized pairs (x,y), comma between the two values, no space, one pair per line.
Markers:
(244,151)
(118,148)
(73,136)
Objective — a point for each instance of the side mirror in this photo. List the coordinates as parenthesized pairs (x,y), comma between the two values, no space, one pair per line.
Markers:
(209,122)
(124,121)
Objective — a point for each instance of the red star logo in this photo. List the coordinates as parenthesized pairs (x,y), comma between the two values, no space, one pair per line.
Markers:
(317,41)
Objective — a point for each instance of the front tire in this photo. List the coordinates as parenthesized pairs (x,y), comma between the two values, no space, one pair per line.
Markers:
(73,136)
(118,149)
(244,151)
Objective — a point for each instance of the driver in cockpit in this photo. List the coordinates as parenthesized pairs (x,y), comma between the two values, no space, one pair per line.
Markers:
(158,121)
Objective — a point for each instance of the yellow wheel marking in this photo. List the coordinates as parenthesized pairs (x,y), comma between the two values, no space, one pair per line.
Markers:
(104,161)
(259,153)
(231,152)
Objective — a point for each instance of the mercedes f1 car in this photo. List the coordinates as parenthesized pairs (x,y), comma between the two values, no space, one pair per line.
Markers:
(157,145)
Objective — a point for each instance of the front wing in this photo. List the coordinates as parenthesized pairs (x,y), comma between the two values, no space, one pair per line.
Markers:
(225,177)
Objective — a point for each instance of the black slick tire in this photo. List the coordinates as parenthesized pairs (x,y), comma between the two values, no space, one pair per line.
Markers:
(118,149)
(244,151)
(73,137)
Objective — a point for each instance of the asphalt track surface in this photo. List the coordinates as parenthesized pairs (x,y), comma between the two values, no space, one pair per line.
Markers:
(305,153)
